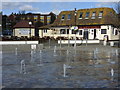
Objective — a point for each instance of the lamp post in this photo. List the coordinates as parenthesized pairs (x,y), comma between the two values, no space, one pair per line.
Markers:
(75,26)
(60,39)
(30,23)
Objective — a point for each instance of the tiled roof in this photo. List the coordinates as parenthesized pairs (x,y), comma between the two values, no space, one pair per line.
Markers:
(108,17)
(23,24)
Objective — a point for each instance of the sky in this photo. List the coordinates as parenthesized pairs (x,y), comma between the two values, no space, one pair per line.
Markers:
(9,6)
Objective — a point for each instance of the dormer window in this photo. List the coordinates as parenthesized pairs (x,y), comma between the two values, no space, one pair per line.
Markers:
(100,14)
(81,13)
(93,15)
(69,16)
(87,15)
(63,17)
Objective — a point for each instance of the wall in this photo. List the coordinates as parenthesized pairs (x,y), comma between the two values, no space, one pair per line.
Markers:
(17,32)
(18,42)
(111,36)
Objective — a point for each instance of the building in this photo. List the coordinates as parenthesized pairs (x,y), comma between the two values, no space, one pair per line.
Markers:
(37,19)
(24,29)
(93,23)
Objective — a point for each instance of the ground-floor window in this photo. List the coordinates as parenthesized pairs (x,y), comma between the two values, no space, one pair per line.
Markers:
(73,31)
(62,31)
(116,32)
(67,31)
(103,31)
(45,30)
(80,32)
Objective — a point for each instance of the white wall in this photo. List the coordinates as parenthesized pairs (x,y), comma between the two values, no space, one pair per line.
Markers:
(55,32)
(17,32)
(111,36)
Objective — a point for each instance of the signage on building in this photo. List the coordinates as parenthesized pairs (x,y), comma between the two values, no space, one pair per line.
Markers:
(75,28)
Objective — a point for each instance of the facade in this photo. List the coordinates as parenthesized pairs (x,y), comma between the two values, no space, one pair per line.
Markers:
(23,29)
(37,19)
(94,23)
(45,19)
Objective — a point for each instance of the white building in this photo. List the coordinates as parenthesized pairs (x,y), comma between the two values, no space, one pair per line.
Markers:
(24,28)
(94,23)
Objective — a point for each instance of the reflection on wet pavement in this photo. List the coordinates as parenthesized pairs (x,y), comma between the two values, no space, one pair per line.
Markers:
(66,67)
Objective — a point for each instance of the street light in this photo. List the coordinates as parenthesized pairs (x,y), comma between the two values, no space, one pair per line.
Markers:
(30,23)
(75,27)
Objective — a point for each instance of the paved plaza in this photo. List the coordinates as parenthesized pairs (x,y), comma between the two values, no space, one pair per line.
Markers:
(49,66)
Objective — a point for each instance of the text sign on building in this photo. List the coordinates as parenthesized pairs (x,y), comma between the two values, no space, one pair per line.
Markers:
(24,31)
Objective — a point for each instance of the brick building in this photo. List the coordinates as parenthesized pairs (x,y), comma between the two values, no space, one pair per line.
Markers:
(37,20)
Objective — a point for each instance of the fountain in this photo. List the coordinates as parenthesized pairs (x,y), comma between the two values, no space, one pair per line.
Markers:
(67,56)
(75,43)
(32,55)
(116,52)
(94,55)
(34,48)
(40,64)
(55,51)
(112,74)
(49,43)
(23,68)
(64,69)
(60,42)
(96,50)
(16,51)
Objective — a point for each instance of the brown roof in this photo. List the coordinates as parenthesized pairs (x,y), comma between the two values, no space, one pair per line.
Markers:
(23,24)
(108,17)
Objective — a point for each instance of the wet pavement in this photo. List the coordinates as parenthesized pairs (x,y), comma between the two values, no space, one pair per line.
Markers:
(92,66)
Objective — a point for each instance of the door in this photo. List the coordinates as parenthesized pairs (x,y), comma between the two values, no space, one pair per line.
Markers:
(94,33)
(85,34)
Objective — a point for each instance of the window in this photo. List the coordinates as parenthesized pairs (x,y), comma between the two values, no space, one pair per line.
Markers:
(62,31)
(67,31)
(103,31)
(81,13)
(35,16)
(100,14)
(73,31)
(63,17)
(48,16)
(93,15)
(69,16)
(80,32)
(35,19)
(116,32)
(45,30)
(87,15)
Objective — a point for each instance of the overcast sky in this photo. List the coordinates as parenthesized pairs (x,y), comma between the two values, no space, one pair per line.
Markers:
(8,6)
